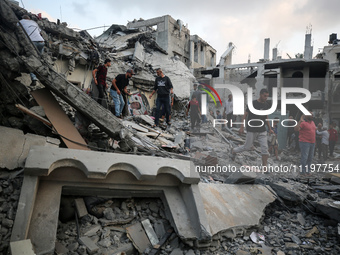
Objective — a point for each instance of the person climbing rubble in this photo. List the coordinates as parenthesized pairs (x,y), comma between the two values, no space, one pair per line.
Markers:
(164,88)
(34,33)
(118,87)
(99,76)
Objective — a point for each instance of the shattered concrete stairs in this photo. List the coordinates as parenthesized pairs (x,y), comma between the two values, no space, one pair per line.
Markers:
(196,211)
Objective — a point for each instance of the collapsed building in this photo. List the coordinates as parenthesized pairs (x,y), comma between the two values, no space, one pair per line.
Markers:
(146,195)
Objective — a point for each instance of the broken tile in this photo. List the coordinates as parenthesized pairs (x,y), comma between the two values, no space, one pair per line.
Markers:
(91,247)
(138,236)
(80,207)
(150,232)
(22,247)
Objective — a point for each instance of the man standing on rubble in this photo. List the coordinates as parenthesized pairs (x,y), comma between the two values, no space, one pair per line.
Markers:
(306,128)
(99,76)
(118,87)
(34,32)
(164,87)
(257,129)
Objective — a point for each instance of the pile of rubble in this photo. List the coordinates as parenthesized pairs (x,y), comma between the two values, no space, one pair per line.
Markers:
(303,220)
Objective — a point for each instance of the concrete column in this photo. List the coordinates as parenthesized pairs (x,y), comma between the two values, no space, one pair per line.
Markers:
(192,53)
(202,53)
(259,81)
(266,48)
(308,54)
(274,54)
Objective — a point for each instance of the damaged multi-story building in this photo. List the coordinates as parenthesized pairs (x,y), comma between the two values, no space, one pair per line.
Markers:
(174,37)
(331,53)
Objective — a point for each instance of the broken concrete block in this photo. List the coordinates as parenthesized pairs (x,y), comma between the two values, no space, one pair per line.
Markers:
(127,249)
(301,219)
(190,252)
(159,229)
(139,52)
(177,251)
(91,247)
(109,214)
(138,237)
(289,191)
(14,146)
(80,207)
(225,213)
(60,249)
(23,247)
(92,230)
(328,207)
(150,232)
(291,246)
(105,242)
(241,177)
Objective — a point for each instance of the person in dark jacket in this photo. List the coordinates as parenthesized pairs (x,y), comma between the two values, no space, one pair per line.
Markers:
(164,88)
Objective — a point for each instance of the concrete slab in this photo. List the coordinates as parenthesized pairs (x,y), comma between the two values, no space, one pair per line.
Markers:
(80,207)
(233,208)
(91,247)
(328,207)
(25,208)
(14,146)
(138,237)
(150,232)
(44,221)
(59,119)
(23,247)
(11,144)
(42,161)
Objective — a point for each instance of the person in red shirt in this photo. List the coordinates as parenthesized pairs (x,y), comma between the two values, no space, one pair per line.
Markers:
(333,138)
(195,112)
(99,76)
(306,128)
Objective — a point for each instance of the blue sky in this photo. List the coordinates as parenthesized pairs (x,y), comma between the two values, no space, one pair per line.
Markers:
(243,22)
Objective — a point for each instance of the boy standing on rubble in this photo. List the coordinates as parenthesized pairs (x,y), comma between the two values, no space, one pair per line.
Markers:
(99,76)
(195,112)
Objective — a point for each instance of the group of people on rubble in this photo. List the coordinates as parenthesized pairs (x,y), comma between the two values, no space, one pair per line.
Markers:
(117,89)
(163,87)
(308,136)
(307,131)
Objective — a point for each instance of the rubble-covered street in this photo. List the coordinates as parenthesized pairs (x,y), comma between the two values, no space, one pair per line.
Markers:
(75,178)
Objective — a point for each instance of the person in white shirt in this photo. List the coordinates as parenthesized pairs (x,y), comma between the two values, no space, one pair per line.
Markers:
(33,31)
(228,109)
(324,142)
